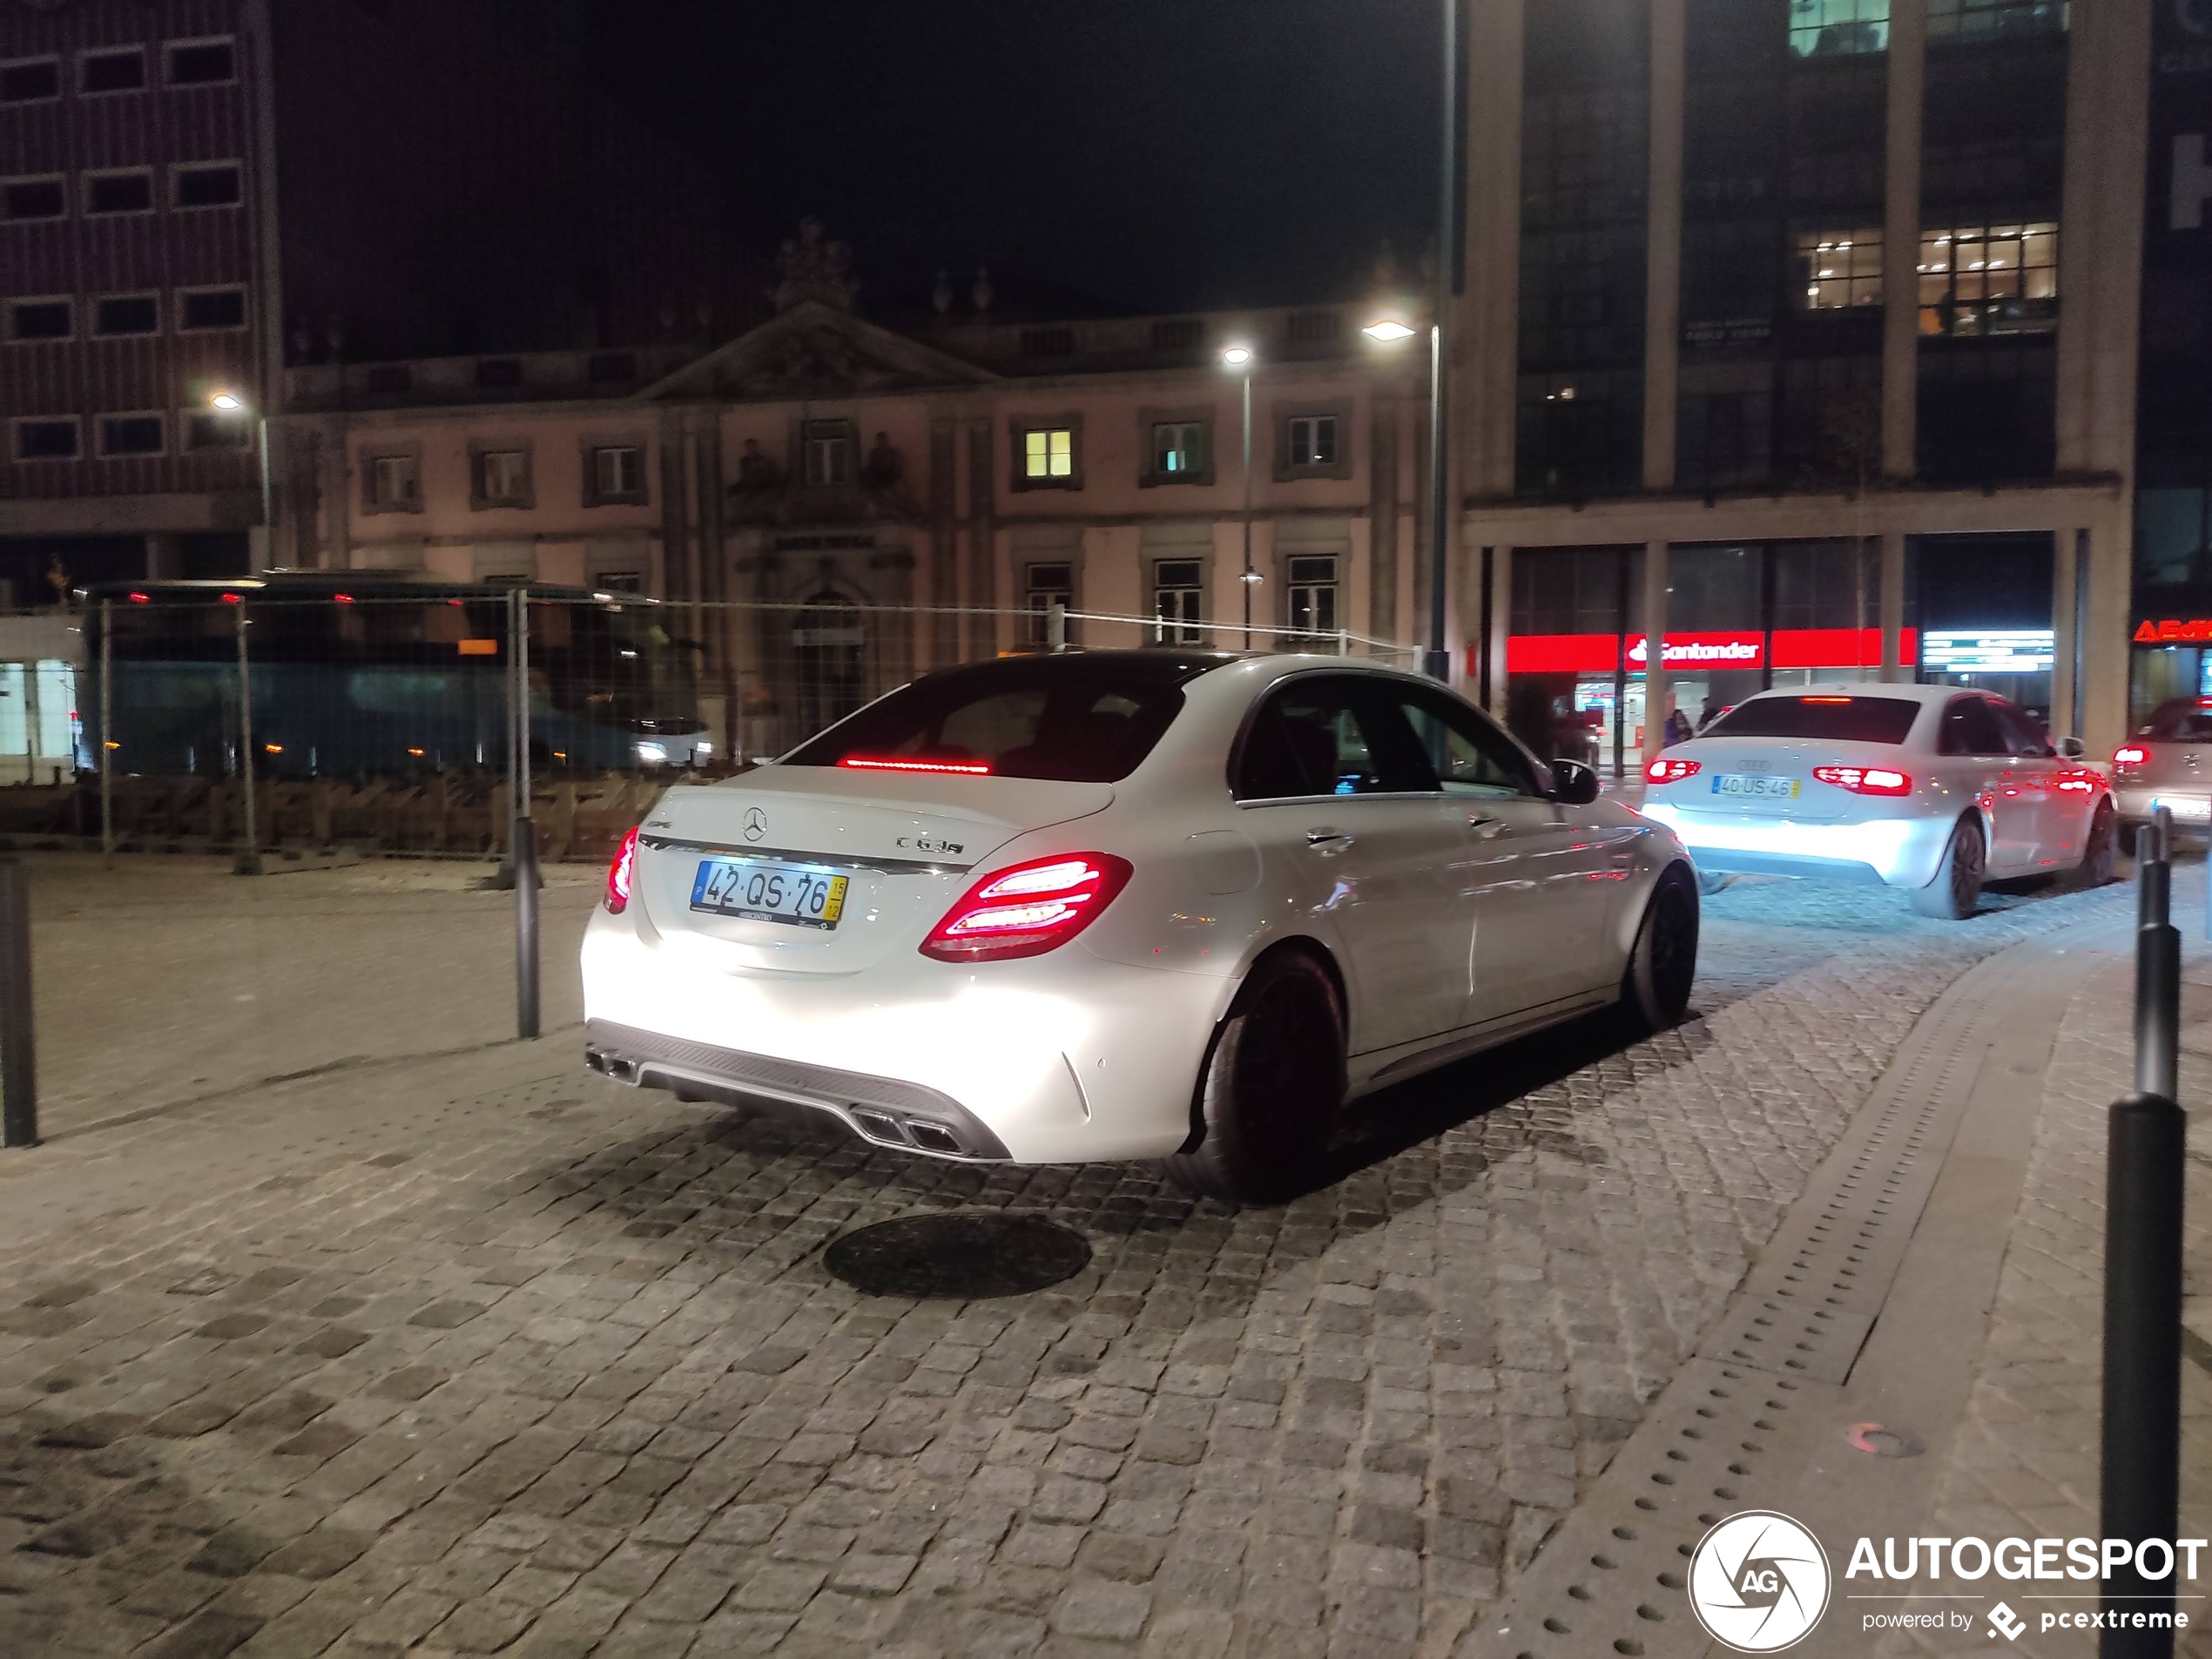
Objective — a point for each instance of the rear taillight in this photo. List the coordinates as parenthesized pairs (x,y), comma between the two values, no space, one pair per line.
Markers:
(1865,780)
(1663,771)
(618,874)
(2131,755)
(1028,909)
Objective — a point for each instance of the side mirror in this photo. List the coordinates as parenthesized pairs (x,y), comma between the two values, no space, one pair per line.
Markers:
(2071,748)
(1573,783)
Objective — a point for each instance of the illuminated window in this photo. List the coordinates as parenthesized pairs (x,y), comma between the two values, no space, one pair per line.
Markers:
(1838,27)
(1049,453)
(1978,19)
(1178,448)
(1839,269)
(1990,278)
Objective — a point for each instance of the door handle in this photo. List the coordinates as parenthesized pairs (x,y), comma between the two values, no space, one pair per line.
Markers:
(1327,837)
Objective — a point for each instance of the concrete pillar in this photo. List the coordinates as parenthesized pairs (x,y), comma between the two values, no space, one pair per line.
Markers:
(1382,515)
(2105,642)
(1663,248)
(1892,583)
(2065,544)
(1486,340)
(1502,559)
(1656,681)
(1901,241)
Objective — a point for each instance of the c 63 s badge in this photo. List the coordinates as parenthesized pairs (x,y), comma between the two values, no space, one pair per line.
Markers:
(931,844)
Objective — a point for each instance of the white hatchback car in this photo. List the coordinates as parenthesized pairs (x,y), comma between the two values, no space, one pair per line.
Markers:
(1927,787)
(1127,905)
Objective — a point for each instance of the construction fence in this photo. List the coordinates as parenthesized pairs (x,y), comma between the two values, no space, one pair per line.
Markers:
(269,718)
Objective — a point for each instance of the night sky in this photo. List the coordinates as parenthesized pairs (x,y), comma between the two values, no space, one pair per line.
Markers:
(1101,155)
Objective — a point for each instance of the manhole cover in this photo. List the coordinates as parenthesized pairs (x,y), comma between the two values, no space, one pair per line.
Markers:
(967,1255)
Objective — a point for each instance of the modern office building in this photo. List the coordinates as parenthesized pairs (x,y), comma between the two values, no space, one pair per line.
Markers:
(1802,334)
(195,192)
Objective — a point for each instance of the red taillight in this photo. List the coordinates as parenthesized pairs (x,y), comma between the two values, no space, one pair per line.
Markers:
(618,874)
(1028,909)
(1865,780)
(2131,755)
(965,768)
(141,598)
(1663,771)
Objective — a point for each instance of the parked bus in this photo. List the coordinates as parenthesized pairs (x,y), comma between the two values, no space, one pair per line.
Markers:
(357,676)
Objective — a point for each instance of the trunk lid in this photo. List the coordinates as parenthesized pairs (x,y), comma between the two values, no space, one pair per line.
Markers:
(1746,776)
(905,843)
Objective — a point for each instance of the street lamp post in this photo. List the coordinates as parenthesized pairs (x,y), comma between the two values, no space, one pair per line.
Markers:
(1241,357)
(231,403)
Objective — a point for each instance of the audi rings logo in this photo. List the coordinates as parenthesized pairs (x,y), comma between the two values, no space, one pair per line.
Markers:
(755,823)
(1758,1582)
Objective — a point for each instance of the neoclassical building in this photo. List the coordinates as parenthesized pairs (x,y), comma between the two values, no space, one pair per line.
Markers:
(902,498)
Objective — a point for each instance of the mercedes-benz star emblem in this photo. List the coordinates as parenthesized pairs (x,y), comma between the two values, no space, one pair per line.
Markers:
(755,823)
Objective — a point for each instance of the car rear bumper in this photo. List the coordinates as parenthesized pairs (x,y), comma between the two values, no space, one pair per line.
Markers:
(1894,852)
(1064,1058)
(2191,804)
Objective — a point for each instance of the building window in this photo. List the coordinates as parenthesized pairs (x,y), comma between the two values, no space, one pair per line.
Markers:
(200,310)
(1989,279)
(502,477)
(111,71)
(1178,601)
(30,80)
(1837,270)
(30,319)
(388,378)
(1978,19)
(825,454)
(205,431)
(1048,342)
(1838,27)
(46,438)
(127,313)
(209,185)
(1312,441)
(1310,594)
(201,63)
(1048,454)
(119,192)
(614,473)
(30,199)
(133,434)
(619,582)
(392,482)
(1178,333)
(1312,327)
(1049,585)
(1178,448)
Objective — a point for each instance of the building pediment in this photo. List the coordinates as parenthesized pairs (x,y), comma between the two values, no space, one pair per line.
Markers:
(815,351)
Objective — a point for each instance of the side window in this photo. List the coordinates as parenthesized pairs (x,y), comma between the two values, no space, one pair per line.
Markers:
(1330,735)
(1468,755)
(1970,728)
(2024,733)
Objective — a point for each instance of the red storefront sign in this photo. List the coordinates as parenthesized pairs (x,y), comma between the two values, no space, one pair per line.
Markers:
(2174,631)
(1689,653)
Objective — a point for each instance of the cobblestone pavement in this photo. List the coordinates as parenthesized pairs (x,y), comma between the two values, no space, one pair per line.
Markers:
(2024,1462)
(483,1355)
(167,979)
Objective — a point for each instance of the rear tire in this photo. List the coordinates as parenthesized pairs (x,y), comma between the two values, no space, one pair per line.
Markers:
(1271,1089)
(1654,989)
(1956,890)
(2101,853)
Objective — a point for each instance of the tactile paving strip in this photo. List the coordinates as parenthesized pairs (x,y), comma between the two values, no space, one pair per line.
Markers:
(1612,1579)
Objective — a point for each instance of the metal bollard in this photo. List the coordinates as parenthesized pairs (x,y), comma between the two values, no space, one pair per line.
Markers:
(2140,1450)
(18,1058)
(525,845)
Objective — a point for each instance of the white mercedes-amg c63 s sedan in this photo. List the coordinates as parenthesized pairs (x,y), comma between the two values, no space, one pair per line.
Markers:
(1156,904)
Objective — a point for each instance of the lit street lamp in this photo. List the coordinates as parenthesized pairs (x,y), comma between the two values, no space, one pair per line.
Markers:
(1241,357)
(231,403)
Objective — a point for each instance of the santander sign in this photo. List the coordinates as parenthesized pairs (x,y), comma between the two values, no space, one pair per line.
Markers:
(1708,651)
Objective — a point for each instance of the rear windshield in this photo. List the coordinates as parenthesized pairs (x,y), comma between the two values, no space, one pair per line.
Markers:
(1077,720)
(1843,719)
(2188,721)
